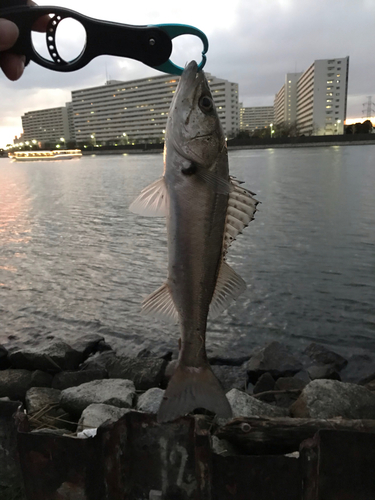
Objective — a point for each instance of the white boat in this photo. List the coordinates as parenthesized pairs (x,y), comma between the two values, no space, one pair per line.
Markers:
(58,154)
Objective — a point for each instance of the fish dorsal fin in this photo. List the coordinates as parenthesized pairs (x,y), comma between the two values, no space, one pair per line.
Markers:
(241,209)
(152,201)
(160,304)
(229,286)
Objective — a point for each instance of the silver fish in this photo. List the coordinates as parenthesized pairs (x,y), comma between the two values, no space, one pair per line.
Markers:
(205,210)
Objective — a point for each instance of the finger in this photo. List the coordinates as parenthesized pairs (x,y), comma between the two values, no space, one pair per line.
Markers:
(41,23)
(12,65)
(8,34)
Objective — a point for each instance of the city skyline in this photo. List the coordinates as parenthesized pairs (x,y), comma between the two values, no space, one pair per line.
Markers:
(253,44)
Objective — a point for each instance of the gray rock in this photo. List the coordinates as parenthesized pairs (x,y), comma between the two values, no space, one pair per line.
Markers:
(149,401)
(54,357)
(144,372)
(96,414)
(304,376)
(284,400)
(275,359)
(99,361)
(323,371)
(4,361)
(38,398)
(228,361)
(15,383)
(90,344)
(231,377)
(265,383)
(331,398)
(116,392)
(41,379)
(63,380)
(322,356)
(244,405)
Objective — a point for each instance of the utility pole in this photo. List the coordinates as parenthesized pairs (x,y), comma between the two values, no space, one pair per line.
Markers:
(368,108)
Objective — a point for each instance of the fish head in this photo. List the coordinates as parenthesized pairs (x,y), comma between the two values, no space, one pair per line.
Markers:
(193,127)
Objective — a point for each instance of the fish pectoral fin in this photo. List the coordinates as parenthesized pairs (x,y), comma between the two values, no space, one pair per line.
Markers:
(191,388)
(217,183)
(152,201)
(240,212)
(160,304)
(229,286)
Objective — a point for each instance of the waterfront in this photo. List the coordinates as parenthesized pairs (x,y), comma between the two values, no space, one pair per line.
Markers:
(74,260)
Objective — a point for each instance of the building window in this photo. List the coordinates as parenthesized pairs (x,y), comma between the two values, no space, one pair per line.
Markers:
(328,106)
(329,81)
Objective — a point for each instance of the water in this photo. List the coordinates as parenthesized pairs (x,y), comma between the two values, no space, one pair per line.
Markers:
(74,260)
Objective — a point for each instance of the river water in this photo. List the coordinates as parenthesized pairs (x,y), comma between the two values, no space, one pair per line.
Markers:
(74,260)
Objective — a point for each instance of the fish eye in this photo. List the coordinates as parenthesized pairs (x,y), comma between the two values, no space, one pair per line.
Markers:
(206,104)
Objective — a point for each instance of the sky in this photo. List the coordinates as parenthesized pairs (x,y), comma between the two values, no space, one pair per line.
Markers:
(252,42)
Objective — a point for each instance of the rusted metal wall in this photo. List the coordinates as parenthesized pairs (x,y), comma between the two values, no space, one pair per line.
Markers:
(138,459)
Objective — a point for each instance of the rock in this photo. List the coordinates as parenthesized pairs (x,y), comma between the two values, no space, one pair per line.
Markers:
(96,414)
(331,398)
(304,376)
(265,383)
(41,379)
(244,405)
(63,380)
(322,356)
(15,383)
(359,370)
(228,361)
(54,357)
(370,386)
(116,392)
(231,376)
(149,401)
(286,384)
(144,372)
(323,371)
(275,359)
(38,398)
(99,361)
(4,361)
(90,344)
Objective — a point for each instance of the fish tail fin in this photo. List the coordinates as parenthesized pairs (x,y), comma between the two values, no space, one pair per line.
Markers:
(191,388)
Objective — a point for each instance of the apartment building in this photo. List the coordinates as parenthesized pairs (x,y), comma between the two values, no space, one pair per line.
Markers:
(47,125)
(137,110)
(316,99)
(256,117)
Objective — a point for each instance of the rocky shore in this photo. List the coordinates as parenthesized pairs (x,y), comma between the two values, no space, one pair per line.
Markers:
(58,383)
(72,389)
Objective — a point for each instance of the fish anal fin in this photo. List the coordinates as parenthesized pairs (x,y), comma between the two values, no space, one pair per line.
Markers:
(160,304)
(191,388)
(229,285)
(152,201)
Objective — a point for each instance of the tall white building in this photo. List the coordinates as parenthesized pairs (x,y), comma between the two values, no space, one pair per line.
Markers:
(137,111)
(50,124)
(257,117)
(315,99)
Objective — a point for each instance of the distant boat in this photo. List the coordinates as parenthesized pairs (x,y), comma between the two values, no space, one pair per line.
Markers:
(59,154)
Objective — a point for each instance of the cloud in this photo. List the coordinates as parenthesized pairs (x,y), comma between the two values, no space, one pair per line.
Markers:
(253,43)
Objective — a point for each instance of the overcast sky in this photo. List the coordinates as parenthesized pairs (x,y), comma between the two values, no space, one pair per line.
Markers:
(252,42)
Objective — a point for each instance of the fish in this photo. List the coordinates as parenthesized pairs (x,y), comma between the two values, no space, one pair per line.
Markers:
(205,210)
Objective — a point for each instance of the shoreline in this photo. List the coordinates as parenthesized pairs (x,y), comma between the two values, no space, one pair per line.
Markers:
(99,151)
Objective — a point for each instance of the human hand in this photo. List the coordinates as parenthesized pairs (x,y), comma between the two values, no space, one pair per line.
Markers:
(14,64)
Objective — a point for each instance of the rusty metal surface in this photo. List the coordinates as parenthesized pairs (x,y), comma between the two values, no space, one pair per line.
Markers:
(343,468)
(256,478)
(11,484)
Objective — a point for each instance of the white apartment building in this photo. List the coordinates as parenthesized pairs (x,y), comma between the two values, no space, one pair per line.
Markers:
(315,99)
(137,111)
(47,125)
(285,104)
(256,117)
